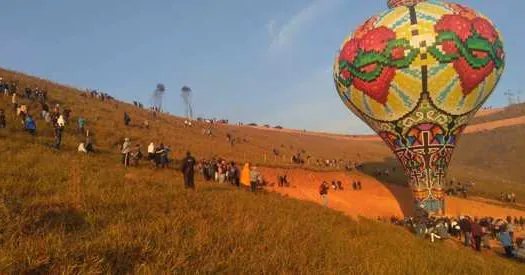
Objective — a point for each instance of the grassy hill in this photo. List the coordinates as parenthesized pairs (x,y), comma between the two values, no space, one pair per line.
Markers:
(62,212)
(492,159)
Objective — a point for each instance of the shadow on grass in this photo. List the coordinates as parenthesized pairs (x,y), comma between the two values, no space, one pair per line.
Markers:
(395,181)
(42,219)
(122,260)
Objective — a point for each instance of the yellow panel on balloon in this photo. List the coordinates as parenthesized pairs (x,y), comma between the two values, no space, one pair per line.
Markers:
(426,9)
(393,16)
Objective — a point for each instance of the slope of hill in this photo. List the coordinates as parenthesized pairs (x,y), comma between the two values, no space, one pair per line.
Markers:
(62,212)
(489,158)
(513,111)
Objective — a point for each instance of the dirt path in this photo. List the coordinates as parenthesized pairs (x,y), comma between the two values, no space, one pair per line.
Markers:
(375,199)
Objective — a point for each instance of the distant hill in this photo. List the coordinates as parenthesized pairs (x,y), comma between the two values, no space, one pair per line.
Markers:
(512,111)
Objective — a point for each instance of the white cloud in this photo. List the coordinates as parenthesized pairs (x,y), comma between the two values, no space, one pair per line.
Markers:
(283,36)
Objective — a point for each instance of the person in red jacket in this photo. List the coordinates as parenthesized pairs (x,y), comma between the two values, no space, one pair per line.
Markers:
(476,234)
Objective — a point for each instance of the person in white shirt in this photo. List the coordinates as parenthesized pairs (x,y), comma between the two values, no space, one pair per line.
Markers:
(151,151)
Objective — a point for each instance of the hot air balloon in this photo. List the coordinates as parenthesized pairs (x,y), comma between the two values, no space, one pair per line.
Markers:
(416,74)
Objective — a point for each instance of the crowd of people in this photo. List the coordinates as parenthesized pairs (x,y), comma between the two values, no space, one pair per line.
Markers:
(95,94)
(222,171)
(508,197)
(55,117)
(457,189)
(473,232)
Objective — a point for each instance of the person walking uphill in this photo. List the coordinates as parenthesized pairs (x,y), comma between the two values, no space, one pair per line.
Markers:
(59,130)
(188,169)
(127,119)
(126,150)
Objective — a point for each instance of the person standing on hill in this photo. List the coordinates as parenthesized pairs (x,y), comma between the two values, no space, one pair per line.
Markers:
(188,169)
(30,125)
(81,124)
(126,150)
(2,119)
(151,152)
(14,101)
(476,234)
(510,228)
(506,241)
(59,130)
(466,229)
(235,174)
(254,178)
(323,191)
(245,175)
(127,119)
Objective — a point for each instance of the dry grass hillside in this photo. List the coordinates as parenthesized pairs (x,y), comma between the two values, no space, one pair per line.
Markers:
(66,213)
(512,111)
(492,159)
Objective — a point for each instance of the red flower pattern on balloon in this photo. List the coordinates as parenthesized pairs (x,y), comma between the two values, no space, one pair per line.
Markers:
(464,27)
(375,40)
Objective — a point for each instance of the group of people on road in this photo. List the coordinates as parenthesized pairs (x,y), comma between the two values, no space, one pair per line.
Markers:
(222,171)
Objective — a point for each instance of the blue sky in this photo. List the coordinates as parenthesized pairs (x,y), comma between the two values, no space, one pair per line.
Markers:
(246,60)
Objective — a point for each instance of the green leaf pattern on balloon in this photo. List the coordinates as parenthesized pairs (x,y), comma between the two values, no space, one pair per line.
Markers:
(384,59)
(465,50)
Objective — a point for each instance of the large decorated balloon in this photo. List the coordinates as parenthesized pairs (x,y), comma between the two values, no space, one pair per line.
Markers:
(416,74)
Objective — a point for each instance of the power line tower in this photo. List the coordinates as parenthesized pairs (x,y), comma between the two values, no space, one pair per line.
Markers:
(518,96)
(158,97)
(185,93)
(510,97)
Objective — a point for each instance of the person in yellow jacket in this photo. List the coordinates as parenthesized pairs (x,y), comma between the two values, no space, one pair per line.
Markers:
(245,174)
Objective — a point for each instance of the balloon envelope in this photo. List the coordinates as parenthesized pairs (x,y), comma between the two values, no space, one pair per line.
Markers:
(416,74)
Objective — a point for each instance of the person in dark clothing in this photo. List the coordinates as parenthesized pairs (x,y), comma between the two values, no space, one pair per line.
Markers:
(89,145)
(161,156)
(235,174)
(188,165)
(206,171)
(127,119)
(466,229)
(59,129)
(476,234)
(323,191)
(2,118)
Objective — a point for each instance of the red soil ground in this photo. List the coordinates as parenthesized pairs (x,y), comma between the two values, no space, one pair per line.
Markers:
(375,199)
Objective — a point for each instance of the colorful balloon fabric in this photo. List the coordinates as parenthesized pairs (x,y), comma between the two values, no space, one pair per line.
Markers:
(416,74)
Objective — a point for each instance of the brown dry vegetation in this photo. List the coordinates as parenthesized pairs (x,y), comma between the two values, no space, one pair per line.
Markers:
(62,212)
